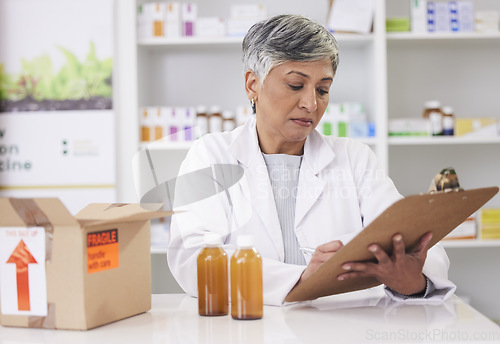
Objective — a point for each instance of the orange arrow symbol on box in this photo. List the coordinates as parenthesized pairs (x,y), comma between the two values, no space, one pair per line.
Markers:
(21,256)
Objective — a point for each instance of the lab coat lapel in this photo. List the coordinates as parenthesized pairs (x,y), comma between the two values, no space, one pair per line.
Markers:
(317,155)
(245,149)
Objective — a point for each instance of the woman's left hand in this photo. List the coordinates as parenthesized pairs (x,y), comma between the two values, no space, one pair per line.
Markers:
(402,272)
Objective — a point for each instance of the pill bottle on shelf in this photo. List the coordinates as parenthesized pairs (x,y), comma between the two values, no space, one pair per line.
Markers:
(201,120)
(246,280)
(213,295)
(228,121)
(215,119)
(431,106)
(433,112)
(448,121)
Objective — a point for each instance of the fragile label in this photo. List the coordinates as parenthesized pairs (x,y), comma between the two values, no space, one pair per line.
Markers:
(102,251)
(23,282)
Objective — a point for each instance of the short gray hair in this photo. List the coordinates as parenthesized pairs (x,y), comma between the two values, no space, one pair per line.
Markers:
(283,38)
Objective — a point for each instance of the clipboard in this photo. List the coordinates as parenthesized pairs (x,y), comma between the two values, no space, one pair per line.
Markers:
(412,216)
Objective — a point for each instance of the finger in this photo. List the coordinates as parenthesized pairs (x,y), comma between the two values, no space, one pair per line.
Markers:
(354,266)
(379,254)
(332,246)
(399,246)
(424,244)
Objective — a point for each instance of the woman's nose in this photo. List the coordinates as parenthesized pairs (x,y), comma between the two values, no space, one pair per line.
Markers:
(308,100)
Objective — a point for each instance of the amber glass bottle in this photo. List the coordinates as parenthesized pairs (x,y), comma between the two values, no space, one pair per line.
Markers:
(246,280)
(212,277)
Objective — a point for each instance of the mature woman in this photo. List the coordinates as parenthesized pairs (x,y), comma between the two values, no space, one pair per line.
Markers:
(299,188)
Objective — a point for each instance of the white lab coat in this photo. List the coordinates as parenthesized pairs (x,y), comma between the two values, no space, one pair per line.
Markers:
(340,190)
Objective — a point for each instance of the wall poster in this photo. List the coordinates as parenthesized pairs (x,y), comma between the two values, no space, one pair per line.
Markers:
(57,125)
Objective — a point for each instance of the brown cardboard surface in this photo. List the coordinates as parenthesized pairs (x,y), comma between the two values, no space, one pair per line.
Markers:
(412,216)
(100,213)
(79,298)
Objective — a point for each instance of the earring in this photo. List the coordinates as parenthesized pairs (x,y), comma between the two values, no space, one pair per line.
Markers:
(252,103)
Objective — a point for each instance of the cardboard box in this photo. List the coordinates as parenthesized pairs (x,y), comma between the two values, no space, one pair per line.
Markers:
(78,272)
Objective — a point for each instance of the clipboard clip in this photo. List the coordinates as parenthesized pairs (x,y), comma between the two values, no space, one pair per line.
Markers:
(445,181)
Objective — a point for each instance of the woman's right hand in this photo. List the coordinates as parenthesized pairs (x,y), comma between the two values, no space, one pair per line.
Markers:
(321,255)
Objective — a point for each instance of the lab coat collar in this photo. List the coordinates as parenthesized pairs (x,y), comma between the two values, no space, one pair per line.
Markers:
(245,148)
(245,145)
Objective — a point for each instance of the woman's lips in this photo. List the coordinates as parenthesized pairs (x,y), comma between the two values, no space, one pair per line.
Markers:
(303,122)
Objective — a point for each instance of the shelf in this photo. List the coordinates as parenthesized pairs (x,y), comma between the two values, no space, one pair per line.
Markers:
(371,141)
(196,41)
(471,243)
(167,145)
(161,41)
(158,249)
(441,140)
(400,36)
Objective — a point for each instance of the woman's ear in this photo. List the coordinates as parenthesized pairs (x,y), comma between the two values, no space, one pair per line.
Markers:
(251,85)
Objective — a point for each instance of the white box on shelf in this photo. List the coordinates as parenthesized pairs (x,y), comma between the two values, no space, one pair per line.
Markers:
(158,18)
(189,13)
(210,27)
(465,16)
(351,16)
(487,21)
(409,127)
(442,17)
(238,27)
(418,16)
(453,8)
(431,16)
(173,20)
(248,11)
(189,124)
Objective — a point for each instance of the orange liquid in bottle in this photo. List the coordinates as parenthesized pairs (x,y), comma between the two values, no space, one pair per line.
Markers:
(246,284)
(212,282)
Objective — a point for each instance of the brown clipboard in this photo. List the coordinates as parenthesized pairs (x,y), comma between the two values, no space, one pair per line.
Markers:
(412,216)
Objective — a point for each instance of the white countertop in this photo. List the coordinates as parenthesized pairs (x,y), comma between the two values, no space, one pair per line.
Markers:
(361,317)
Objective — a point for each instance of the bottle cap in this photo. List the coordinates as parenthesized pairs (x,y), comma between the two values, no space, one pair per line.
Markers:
(448,110)
(227,114)
(212,239)
(215,109)
(432,104)
(245,241)
(201,109)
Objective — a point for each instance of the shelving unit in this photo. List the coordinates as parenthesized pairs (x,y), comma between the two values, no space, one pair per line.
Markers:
(408,36)
(442,140)
(393,74)
(183,41)
(470,243)
(422,67)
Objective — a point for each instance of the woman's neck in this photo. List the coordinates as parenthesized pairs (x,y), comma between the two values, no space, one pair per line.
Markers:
(270,147)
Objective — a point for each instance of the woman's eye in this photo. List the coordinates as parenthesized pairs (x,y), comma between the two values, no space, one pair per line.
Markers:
(322,92)
(295,88)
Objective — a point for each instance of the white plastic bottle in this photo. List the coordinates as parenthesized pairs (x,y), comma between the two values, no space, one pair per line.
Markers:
(215,120)
(448,121)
